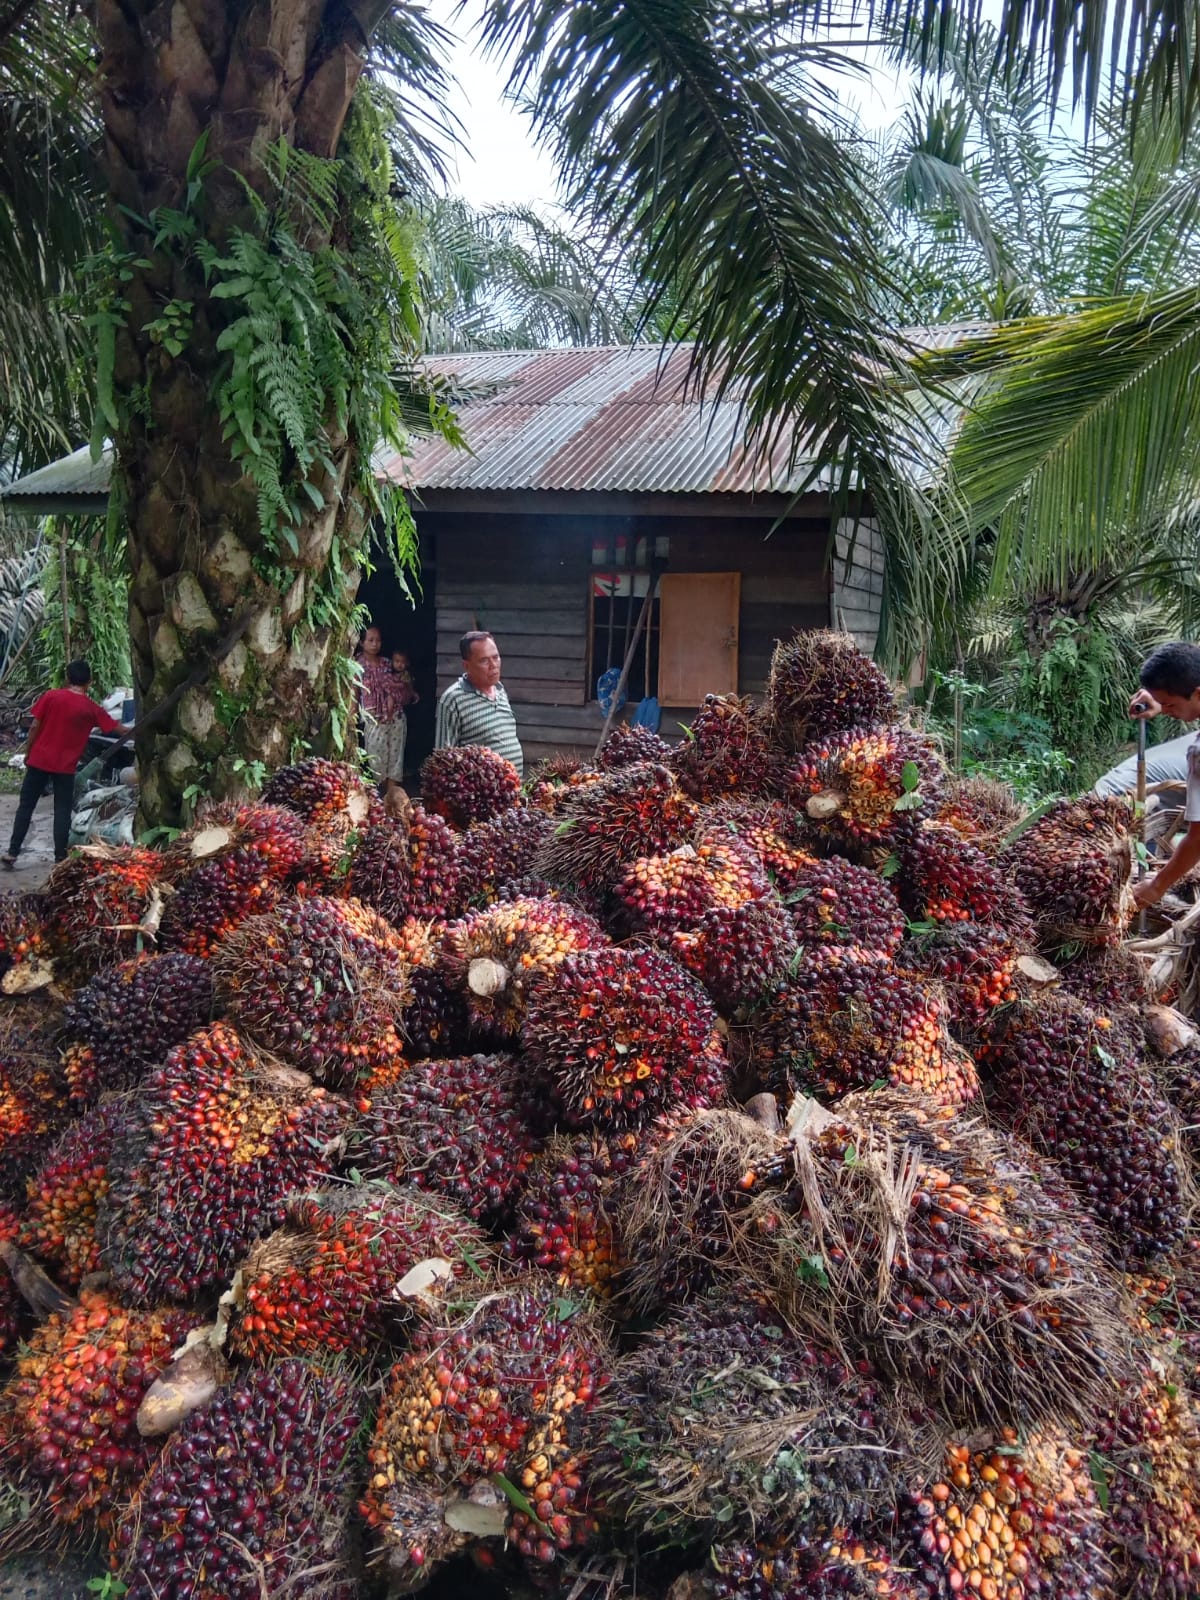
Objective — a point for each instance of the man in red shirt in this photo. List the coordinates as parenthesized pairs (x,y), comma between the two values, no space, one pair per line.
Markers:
(63,720)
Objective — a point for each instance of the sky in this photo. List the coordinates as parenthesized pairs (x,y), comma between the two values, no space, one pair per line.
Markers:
(501,164)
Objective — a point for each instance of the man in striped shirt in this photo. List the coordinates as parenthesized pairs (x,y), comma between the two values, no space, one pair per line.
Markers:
(475,708)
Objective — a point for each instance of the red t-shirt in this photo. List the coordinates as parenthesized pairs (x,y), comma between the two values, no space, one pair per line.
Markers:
(65,719)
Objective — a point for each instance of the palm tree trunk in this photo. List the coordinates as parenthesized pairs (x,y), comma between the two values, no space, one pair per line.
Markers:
(248,75)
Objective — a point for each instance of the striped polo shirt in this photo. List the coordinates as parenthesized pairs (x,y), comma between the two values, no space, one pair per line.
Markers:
(467,716)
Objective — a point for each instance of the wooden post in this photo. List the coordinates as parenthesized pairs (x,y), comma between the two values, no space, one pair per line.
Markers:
(63,594)
(643,614)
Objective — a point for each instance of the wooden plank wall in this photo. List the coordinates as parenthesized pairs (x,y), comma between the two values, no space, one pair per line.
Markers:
(858,580)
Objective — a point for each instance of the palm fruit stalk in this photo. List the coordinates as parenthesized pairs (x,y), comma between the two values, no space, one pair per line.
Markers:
(557,780)
(127,1019)
(319,982)
(865,790)
(935,1247)
(239,861)
(723,1422)
(251,1496)
(1075,868)
(461,1129)
(468,784)
(501,1389)
(821,683)
(64,1195)
(435,1022)
(495,957)
(837,902)
(738,953)
(499,852)
(727,751)
(101,905)
(214,1144)
(1056,1077)
(770,830)
(945,878)
(68,1413)
(1016,1517)
(565,1220)
(325,1282)
(636,811)
(974,963)
(662,894)
(981,810)
(624,1034)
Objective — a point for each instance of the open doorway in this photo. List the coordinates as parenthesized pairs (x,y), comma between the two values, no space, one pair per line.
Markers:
(409,624)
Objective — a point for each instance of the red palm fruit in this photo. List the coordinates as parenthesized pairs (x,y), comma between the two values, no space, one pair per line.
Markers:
(663,894)
(944,878)
(1054,1074)
(623,1034)
(635,811)
(130,1016)
(319,982)
(565,1219)
(23,934)
(252,1494)
(468,784)
(317,789)
(1110,979)
(67,1415)
(236,864)
(215,1144)
(767,828)
(33,1112)
(837,902)
(738,952)
(838,1566)
(502,1389)
(975,964)
(727,751)
(495,957)
(435,892)
(1019,1515)
(435,1022)
(981,810)
(556,781)
(867,787)
(64,1195)
(325,1282)
(493,854)
(460,1129)
(821,683)
(1075,868)
(1146,1449)
(629,745)
(100,905)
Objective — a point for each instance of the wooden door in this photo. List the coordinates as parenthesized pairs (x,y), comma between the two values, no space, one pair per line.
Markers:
(698,636)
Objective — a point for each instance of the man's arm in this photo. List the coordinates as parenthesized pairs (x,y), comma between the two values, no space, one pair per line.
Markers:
(23,750)
(1177,865)
(447,728)
(107,724)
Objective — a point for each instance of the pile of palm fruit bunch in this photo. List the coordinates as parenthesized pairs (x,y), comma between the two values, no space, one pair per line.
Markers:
(742,1169)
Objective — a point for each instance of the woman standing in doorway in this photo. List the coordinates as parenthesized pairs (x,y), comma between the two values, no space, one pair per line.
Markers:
(382,699)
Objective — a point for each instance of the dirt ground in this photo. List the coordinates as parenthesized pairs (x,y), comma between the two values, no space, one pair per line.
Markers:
(37,854)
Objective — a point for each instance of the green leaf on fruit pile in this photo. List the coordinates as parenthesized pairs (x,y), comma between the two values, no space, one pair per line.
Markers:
(1096,1466)
(890,867)
(910,777)
(511,1493)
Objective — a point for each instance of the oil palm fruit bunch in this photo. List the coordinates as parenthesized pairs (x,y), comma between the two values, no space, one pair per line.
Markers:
(495,957)
(502,1388)
(100,906)
(630,744)
(770,830)
(380,872)
(251,1495)
(495,853)
(981,810)
(944,878)
(468,784)
(1075,868)
(1165,1301)
(434,890)
(324,1282)
(738,952)
(237,863)
(624,1034)
(1053,1074)
(319,982)
(726,751)
(68,1413)
(723,1421)
(214,1144)
(557,780)
(821,683)
(33,1113)
(1012,1518)
(461,1129)
(435,1022)
(974,963)
(1147,1449)
(662,894)
(866,788)
(840,1566)
(64,1195)
(837,902)
(1110,979)
(636,811)
(863,1022)
(565,1218)
(22,929)
(126,1019)
(317,789)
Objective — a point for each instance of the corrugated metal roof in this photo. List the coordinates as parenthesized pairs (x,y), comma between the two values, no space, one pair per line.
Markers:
(616,417)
